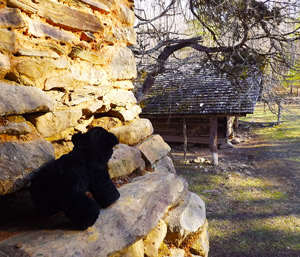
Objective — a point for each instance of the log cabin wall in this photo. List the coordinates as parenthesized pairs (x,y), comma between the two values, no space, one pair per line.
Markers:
(198,128)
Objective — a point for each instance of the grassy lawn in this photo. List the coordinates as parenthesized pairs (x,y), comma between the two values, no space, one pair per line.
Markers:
(289,129)
(253,204)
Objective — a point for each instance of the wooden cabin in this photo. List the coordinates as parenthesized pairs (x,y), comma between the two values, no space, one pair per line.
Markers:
(189,102)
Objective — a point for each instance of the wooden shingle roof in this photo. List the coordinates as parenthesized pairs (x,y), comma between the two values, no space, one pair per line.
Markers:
(195,89)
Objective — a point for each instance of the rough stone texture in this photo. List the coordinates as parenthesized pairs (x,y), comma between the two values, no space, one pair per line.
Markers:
(154,239)
(40,29)
(125,160)
(93,107)
(98,4)
(134,132)
(107,122)
(7,40)
(126,34)
(165,164)
(126,15)
(126,115)
(120,98)
(117,227)
(62,80)
(18,159)
(86,72)
(201,245)
(14,125)
(188,217)
(123,64)
(31,72)
(69,18)
(37,53)
(24,5)
(4,65)
(88,56)
(124,84)
(135,250)
(175,252)
(11,18)
(154,148)
(16,99)
(53,123)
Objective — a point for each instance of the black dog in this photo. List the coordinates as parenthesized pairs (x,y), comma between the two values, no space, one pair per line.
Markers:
(63,184)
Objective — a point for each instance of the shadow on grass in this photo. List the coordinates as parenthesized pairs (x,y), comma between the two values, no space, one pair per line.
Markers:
(260,243)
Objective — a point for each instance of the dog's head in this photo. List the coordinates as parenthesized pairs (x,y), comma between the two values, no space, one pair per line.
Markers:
(98,140)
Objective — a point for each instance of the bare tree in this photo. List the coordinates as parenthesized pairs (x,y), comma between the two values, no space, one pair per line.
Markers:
(227,32)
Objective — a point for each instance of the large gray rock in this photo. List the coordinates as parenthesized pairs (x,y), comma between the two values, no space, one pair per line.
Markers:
(154,148)
(188,217)
(134,132)
(142,204)
(17,99)
(125,160)
(165,164)
(18,159)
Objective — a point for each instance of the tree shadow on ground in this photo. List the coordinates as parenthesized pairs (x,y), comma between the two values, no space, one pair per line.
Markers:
(252,198)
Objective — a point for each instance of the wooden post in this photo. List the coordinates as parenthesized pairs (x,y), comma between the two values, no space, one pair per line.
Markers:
(236,122)
(213,140)
(185,139)
(227,129)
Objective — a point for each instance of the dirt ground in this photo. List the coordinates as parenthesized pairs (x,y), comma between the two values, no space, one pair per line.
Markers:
(252,198)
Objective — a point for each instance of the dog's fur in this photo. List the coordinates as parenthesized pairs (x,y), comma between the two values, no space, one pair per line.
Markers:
(63,184)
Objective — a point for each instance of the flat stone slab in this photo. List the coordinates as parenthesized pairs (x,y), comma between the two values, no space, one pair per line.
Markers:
(69,18)
(154,148)
(11,18)
(18,159)
(39,29)
(17,99)
(142,204)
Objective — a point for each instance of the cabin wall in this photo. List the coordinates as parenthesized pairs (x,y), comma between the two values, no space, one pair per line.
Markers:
(171,129)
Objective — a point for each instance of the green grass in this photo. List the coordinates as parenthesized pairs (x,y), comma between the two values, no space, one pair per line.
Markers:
(255,215)
(289,129)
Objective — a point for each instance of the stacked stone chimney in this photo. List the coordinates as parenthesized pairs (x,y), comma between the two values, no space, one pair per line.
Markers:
(64,68)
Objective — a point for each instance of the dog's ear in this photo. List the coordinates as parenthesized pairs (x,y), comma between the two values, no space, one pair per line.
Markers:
(77,139)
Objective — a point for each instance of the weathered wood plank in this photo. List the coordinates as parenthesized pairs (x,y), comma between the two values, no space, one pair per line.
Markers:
(213,140)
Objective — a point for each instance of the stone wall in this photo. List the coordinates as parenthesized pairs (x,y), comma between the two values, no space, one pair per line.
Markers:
(65,67)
